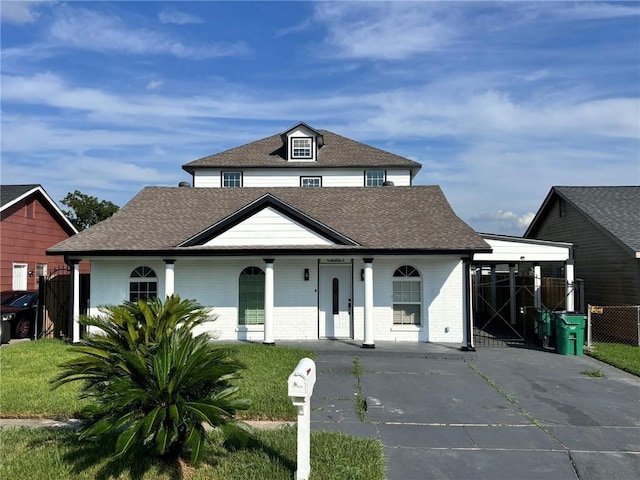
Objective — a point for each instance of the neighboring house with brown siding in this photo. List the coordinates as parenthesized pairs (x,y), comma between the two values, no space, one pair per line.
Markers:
(31,223)
(603,223)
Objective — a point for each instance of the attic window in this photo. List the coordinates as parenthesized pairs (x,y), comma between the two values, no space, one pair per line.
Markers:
(301,148)
(231,179)
(374,178)
(562,208)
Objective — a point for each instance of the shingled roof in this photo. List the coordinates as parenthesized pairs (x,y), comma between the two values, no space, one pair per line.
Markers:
(337,151)
(10,193)
(616,210)
(384,220)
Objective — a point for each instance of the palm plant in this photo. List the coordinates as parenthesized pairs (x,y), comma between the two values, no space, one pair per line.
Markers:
(152,381)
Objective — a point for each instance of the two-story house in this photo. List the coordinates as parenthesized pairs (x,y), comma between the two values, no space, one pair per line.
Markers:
(300,235)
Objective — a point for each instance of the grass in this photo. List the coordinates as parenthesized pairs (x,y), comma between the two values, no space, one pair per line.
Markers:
(594,373)
(624,357)
(28,367)
(361,403)
(57,454)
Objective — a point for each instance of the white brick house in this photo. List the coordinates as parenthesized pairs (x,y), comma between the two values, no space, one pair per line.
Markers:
(302,235)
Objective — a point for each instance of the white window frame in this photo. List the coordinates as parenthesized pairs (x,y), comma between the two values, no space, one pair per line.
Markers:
(304,149)
(227,180)
(316,180)
(371,181)
(142,274)
(410,275)
(255,277)
(20,276)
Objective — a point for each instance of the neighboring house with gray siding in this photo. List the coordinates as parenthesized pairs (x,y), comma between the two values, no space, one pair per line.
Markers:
(603,223)
(301,235)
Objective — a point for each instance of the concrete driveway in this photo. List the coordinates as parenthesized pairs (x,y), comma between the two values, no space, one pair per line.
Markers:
(502,413)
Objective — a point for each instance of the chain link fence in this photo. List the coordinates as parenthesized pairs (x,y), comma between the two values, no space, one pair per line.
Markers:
(613,324)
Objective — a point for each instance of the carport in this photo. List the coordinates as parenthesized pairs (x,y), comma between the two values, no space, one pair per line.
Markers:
(517,277)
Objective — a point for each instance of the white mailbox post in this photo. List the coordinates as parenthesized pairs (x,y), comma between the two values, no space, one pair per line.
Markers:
(301,382)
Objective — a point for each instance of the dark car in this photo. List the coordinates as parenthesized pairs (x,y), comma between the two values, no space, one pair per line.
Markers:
(18,314)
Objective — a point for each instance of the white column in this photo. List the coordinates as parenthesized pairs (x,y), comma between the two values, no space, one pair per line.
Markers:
(468,293)
(537,286)
(268,301)
(512,293)
(494,292)
(169,277)
(76,301)
(368,304)
(570,279)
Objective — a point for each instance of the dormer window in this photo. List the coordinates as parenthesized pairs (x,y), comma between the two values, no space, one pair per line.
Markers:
(301,148)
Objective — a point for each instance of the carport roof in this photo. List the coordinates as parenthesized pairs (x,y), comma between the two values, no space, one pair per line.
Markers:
(508,249)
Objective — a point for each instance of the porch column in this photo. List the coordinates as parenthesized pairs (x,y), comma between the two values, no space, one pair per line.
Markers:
(368,303)
(467,295)
(512,293)
(570,279)
(268,301)
(75,301)
(494,289)
(169,276)
(537,287)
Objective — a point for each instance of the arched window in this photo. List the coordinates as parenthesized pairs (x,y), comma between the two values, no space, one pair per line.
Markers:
(251,297)
(407,296)
(143,284)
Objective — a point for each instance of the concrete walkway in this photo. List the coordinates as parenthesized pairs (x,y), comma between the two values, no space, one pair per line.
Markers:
(503,413)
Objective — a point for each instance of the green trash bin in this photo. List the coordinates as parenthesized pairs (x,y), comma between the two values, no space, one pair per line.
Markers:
(544,328)
(569,328)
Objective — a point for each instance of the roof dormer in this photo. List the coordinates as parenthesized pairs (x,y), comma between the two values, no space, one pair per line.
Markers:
(302,143)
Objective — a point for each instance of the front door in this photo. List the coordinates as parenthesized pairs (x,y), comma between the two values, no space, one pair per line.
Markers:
(335,301)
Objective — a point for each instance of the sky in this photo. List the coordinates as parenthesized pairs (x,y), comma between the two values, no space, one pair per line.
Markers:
(498,101)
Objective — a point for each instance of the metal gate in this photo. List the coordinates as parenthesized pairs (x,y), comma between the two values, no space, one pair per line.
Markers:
(497,323)
(55,305)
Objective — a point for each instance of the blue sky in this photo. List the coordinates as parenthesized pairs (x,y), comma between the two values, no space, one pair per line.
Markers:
(498,101)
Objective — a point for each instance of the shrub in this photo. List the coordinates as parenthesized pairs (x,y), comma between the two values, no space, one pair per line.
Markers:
(154,383)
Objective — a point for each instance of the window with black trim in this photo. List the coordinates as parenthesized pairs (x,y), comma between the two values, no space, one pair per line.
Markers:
(231,179)
(407,296)
(301,148)
(562,208)
(251,296)
(374,178)
(310,181)
(143,284)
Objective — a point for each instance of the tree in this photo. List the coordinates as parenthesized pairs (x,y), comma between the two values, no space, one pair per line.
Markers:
(85,210)
(152,382)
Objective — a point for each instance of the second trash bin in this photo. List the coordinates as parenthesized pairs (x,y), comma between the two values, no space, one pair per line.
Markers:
(544,328)
(569,328)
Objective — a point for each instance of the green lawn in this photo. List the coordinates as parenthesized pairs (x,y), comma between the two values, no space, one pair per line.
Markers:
(28,367)
(624,357)
(58,455)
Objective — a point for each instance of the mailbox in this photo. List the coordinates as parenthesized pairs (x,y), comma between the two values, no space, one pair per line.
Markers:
(301,381)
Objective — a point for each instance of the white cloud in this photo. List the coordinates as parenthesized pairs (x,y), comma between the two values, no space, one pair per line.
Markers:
(401,30)
(92,30)
(18,13)
(389,31)
(171,15)
(155,84)
(506,221)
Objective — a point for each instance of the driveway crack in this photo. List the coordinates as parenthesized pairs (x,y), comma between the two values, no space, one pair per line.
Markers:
(534,421)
